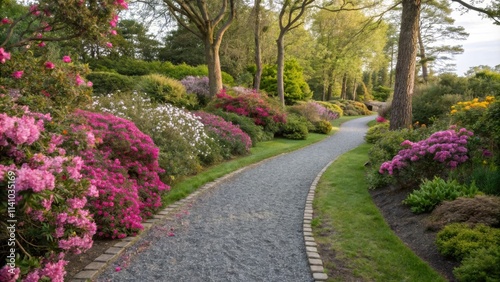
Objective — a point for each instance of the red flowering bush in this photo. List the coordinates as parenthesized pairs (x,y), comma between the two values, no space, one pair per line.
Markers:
(254,105)
(43,195)
(124,168)
(232,140)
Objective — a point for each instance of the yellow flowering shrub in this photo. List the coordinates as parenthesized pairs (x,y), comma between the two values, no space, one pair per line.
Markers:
(473,104)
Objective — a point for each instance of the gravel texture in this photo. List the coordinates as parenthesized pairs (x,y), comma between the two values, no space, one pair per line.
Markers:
(247,228)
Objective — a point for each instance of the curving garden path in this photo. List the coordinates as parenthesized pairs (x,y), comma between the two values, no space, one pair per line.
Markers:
(245,228)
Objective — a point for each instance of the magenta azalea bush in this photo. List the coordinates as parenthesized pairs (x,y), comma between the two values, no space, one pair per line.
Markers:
(434,156)
(231,138)
(254,105)
(44,192)
(124,168)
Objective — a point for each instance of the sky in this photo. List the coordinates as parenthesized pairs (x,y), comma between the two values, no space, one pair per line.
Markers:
(482,47)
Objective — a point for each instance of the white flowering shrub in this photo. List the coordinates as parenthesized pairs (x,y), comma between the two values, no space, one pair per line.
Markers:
(180,135)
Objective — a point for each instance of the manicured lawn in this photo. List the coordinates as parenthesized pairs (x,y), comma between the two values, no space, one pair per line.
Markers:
(348,223)
(260,152)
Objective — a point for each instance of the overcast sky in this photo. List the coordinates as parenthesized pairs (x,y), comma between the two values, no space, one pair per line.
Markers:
(483,45)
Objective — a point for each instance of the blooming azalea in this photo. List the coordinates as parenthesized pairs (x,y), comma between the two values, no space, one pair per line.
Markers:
(49,65)
(6,21)
(17,74)
(66,59)
(41,44)
(4,56)
(109,45)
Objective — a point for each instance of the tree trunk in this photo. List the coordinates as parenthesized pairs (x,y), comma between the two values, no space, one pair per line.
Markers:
(330,91)
(281,69)
(213,64)
(423,58)
(401,115)
(258,60)
(354,88)
(343,93)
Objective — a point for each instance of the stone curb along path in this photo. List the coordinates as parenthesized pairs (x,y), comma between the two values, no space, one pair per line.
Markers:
(110,256)
(315,261)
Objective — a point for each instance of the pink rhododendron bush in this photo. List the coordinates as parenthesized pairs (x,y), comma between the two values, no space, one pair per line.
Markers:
(124,168)
(230,137)
(44,194)
(254,105)
(435,156)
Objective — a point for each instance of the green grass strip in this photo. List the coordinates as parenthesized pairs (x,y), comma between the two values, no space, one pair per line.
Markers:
(348,222)
(262,151)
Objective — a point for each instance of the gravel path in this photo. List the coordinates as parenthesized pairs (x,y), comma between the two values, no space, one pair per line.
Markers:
(248,228)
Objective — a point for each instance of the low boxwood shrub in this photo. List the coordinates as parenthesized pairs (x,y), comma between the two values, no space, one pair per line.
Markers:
(433,192)
(377,132)
(295,128)
(459,240)
(109,82)
(482,264)
(167,90)
(323,127)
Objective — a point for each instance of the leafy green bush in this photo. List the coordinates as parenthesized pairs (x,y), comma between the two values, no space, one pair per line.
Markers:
(352,108)
(323,126)
(427,106)
(296,87)
(167,90)
(487,179)
(377,132)
(256,132)
(433,192)
(482,264)
(295,128)
(381,93)
(458,240)
(492,125)
(110,82)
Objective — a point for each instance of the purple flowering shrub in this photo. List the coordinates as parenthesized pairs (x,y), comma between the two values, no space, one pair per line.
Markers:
(198,86)
(317,114)
(254,105)
(232,139)
(44,191)
(124,168)
(435,156)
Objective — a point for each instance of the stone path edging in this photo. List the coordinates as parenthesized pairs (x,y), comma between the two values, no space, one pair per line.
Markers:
(315,261)
(93,269)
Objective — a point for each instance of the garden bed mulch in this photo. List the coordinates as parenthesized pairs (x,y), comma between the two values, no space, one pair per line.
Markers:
(411,229)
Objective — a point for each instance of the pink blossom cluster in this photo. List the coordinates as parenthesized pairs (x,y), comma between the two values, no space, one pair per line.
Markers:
(4,56)
(124,168)
(225,130)
(252,105)
(324,113)
(448,147)
(44,175)
(20,130)
(51,270)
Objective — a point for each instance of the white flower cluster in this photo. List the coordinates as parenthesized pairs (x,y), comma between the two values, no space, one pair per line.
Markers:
(162,118)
